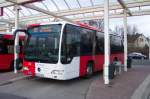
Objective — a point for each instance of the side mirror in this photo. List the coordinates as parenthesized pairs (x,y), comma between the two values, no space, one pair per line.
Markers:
(22,30)
(17,62)
(27,35)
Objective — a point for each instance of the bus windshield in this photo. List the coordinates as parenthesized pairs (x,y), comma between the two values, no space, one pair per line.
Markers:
(43,43)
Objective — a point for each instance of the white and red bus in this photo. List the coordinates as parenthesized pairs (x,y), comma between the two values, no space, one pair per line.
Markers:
(62,50)
(7,51)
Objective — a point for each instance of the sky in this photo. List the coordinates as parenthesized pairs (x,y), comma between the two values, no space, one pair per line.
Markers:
(142,23)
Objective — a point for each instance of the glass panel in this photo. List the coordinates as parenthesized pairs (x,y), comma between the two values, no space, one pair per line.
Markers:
(70,43)
(33,11)
(10,46)
(98,2)
(40,5)
(61,4)
(50,5)
(87,40)
(3,47)
(73,4)
(25,11)
(11,14)
(5,16)
(85,3)
(99,42)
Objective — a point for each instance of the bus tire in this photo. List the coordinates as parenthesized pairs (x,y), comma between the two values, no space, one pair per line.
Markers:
(89,69)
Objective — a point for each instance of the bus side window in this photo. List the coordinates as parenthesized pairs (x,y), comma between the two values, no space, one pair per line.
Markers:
(10,46)
(3,46)
(86,41)
(116,44)
(99,43)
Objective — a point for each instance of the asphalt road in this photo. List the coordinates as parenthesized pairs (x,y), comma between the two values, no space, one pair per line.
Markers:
(148,96)
(39,88)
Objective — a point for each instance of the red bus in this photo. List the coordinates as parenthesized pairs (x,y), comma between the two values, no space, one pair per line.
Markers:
(62,50)
(7,51)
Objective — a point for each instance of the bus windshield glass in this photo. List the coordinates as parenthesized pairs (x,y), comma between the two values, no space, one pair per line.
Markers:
(43,43)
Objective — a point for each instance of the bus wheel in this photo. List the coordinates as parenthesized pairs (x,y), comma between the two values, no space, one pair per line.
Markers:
(89,69)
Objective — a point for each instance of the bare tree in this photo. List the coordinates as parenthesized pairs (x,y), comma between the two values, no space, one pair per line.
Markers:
(119,30)
(131,30)
(134,30)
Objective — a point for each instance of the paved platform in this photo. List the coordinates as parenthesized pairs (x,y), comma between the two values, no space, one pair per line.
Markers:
(8,76)
(122,87)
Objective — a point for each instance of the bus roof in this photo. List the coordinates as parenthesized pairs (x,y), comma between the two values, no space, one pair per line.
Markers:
(81,24)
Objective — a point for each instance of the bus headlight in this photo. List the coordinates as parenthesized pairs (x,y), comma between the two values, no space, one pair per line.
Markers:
(25,68)
(59,72)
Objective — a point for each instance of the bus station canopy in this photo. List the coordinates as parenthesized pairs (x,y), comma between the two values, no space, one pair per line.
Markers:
(75,10)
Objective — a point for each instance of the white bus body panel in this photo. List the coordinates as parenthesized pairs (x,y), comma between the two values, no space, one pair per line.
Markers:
(67,71)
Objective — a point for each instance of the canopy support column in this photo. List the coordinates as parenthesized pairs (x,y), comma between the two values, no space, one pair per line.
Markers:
(125,40)
(16,47)
(149,47)
(107,42)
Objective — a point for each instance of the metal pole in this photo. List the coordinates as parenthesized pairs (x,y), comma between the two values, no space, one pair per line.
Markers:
(16,56)
(125,40)
(149,47)
(107,42)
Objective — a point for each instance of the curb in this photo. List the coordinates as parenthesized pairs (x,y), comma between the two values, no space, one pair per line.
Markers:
(143,90)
